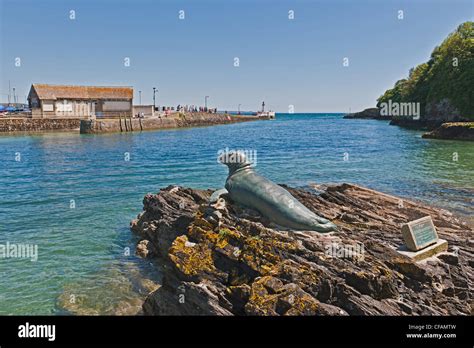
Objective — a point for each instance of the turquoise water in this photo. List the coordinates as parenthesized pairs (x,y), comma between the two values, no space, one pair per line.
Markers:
(82,250)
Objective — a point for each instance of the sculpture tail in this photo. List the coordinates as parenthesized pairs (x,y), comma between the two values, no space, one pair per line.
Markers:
(325,228)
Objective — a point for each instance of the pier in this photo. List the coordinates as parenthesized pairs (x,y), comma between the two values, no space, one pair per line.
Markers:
(176,120)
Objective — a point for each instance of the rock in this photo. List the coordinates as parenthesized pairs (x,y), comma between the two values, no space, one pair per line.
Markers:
(231,261)
(436,126)
(143,249)
(372,113)
(453,130)
(442,110)
(419,124)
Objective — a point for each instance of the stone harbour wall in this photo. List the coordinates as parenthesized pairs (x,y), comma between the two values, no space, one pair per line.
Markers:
(164,122)
(8,125)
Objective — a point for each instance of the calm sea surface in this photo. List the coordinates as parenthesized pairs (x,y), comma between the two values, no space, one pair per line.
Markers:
(74,195)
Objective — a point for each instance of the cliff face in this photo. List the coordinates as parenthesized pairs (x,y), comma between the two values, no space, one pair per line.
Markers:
(443,85)
(227,260)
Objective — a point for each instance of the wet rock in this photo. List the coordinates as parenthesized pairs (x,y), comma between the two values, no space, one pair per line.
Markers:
(143,249)
(227,260)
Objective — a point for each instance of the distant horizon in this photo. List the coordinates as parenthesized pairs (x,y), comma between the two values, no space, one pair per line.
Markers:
(290,63)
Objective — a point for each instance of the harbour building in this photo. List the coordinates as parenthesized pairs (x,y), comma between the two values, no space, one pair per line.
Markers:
(65,101)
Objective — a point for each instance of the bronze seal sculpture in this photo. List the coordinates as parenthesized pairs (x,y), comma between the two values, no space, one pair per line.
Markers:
(246,187)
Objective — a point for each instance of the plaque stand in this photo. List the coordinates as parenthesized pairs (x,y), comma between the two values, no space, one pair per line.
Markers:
(434,249)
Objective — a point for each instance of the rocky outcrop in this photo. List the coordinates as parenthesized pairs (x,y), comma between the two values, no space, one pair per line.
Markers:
(370,113)
(418,124)
(435,114)
(227,260)
(453,130)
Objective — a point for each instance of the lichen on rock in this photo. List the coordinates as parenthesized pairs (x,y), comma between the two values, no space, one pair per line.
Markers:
(224,259)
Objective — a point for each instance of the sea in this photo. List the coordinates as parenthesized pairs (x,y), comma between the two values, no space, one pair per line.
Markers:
(72,196)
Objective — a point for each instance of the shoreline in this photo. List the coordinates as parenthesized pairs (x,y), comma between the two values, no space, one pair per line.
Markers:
(433,128)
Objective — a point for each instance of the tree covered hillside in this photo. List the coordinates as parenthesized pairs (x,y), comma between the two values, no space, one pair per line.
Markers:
(444,86)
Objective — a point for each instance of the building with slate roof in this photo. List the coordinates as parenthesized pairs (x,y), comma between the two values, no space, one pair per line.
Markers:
(63,101)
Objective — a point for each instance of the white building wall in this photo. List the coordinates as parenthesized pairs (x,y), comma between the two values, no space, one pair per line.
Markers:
(72,108)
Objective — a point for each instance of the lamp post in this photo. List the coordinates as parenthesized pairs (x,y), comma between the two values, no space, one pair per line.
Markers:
(140,97)
(239,108)
(154,91)
(205,101)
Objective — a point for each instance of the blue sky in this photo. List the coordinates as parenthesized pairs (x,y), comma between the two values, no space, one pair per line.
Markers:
(284,62)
